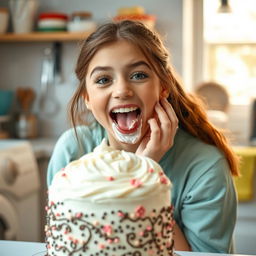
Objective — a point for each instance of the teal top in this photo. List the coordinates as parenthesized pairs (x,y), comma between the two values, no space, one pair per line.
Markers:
(203,192)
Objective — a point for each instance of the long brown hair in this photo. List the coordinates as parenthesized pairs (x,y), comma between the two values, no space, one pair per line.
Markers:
(189,109)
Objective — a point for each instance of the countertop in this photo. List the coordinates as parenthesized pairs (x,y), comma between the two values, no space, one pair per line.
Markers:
(14,248)
(42,147)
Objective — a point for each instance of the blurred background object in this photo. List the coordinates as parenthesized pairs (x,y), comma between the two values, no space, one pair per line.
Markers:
(253,124)
(6,102)
(81,21)
(4,18)
(52,22)
(216,100)
(136,13)
(23,14)
(26,121)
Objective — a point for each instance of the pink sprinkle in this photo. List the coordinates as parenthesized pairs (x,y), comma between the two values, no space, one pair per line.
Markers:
(150,252)
(163,180)
(135,182)
(120,214)
(66,231)
(79,215)
(101,246)
(46,208)
(151,170)
(107,229)
(141,233)
(48,246)
(169,226)
(54,228)
(75,241)
(110,178)
(109,241)
(63,174)
(149,228)
(58,214)
(62,169)
(116,240)
(51,203)
(161,173)
(140,211)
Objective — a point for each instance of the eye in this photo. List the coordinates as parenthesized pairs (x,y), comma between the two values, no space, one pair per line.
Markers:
(103,80)
(139,76)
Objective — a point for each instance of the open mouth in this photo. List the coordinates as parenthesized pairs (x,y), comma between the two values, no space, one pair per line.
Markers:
(126,119)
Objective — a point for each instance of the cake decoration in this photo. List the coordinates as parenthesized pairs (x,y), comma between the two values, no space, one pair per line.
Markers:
(110,203)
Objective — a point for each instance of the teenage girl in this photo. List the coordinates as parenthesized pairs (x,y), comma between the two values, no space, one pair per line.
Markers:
(128,84)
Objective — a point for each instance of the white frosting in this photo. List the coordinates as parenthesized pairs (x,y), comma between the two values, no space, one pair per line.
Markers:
(107,174)
(110,202)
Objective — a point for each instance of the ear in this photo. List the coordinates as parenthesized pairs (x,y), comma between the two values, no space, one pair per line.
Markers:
(86,101)
(164,93)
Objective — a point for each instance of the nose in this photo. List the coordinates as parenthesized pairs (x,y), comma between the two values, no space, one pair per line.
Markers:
(122,90)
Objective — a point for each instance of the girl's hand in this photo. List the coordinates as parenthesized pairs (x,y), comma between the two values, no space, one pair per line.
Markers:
(162,130)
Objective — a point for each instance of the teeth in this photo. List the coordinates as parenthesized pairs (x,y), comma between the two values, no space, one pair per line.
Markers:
(124,110)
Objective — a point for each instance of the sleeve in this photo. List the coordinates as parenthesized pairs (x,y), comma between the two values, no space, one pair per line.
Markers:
(208,213)
(63,153)
(71,146)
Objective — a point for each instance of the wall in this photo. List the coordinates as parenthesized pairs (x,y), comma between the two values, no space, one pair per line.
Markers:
(20,63)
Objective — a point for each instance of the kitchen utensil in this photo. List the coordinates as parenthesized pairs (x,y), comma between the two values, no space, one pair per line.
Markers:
(25,97)
(26,126)
(23,15)
(26,121)
(48,102)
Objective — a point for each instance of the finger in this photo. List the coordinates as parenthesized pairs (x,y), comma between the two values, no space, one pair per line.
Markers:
(166,127)
(170,112)
(155,134)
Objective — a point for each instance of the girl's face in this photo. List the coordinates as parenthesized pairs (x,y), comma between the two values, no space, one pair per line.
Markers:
(122,90)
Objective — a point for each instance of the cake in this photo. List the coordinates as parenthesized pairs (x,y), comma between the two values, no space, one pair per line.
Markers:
(110,202)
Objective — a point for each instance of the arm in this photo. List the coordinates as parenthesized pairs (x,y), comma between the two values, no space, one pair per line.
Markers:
(208,211)
(180,241)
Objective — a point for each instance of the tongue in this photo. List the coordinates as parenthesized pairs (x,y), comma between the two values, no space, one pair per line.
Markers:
(126,121)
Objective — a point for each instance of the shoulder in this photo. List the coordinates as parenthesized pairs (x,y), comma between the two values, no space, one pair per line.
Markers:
(81,138)
(194,155)
(72,144)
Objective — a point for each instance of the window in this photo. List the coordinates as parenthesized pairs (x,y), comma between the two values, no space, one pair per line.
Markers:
(230,48)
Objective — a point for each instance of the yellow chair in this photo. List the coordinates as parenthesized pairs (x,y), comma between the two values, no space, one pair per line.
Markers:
(245,183)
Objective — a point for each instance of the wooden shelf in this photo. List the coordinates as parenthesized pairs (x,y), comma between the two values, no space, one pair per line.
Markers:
(44,36)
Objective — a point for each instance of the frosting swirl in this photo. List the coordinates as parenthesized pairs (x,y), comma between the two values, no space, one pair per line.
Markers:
(107,174)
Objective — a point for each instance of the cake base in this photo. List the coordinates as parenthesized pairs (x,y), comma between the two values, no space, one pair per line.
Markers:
(113,231)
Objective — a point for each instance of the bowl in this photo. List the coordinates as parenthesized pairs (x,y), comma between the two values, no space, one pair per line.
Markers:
(6,100)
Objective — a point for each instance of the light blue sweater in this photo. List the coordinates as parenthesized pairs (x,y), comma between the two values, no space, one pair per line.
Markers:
(203,192)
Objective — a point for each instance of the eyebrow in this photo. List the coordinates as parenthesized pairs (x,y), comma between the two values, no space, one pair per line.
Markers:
(132,65)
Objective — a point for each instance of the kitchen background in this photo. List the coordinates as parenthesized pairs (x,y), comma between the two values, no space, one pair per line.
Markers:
(206,43)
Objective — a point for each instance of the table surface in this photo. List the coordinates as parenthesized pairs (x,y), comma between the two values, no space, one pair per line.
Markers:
(17,248)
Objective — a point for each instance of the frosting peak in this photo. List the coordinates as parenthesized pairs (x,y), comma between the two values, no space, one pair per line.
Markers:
(107,174)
